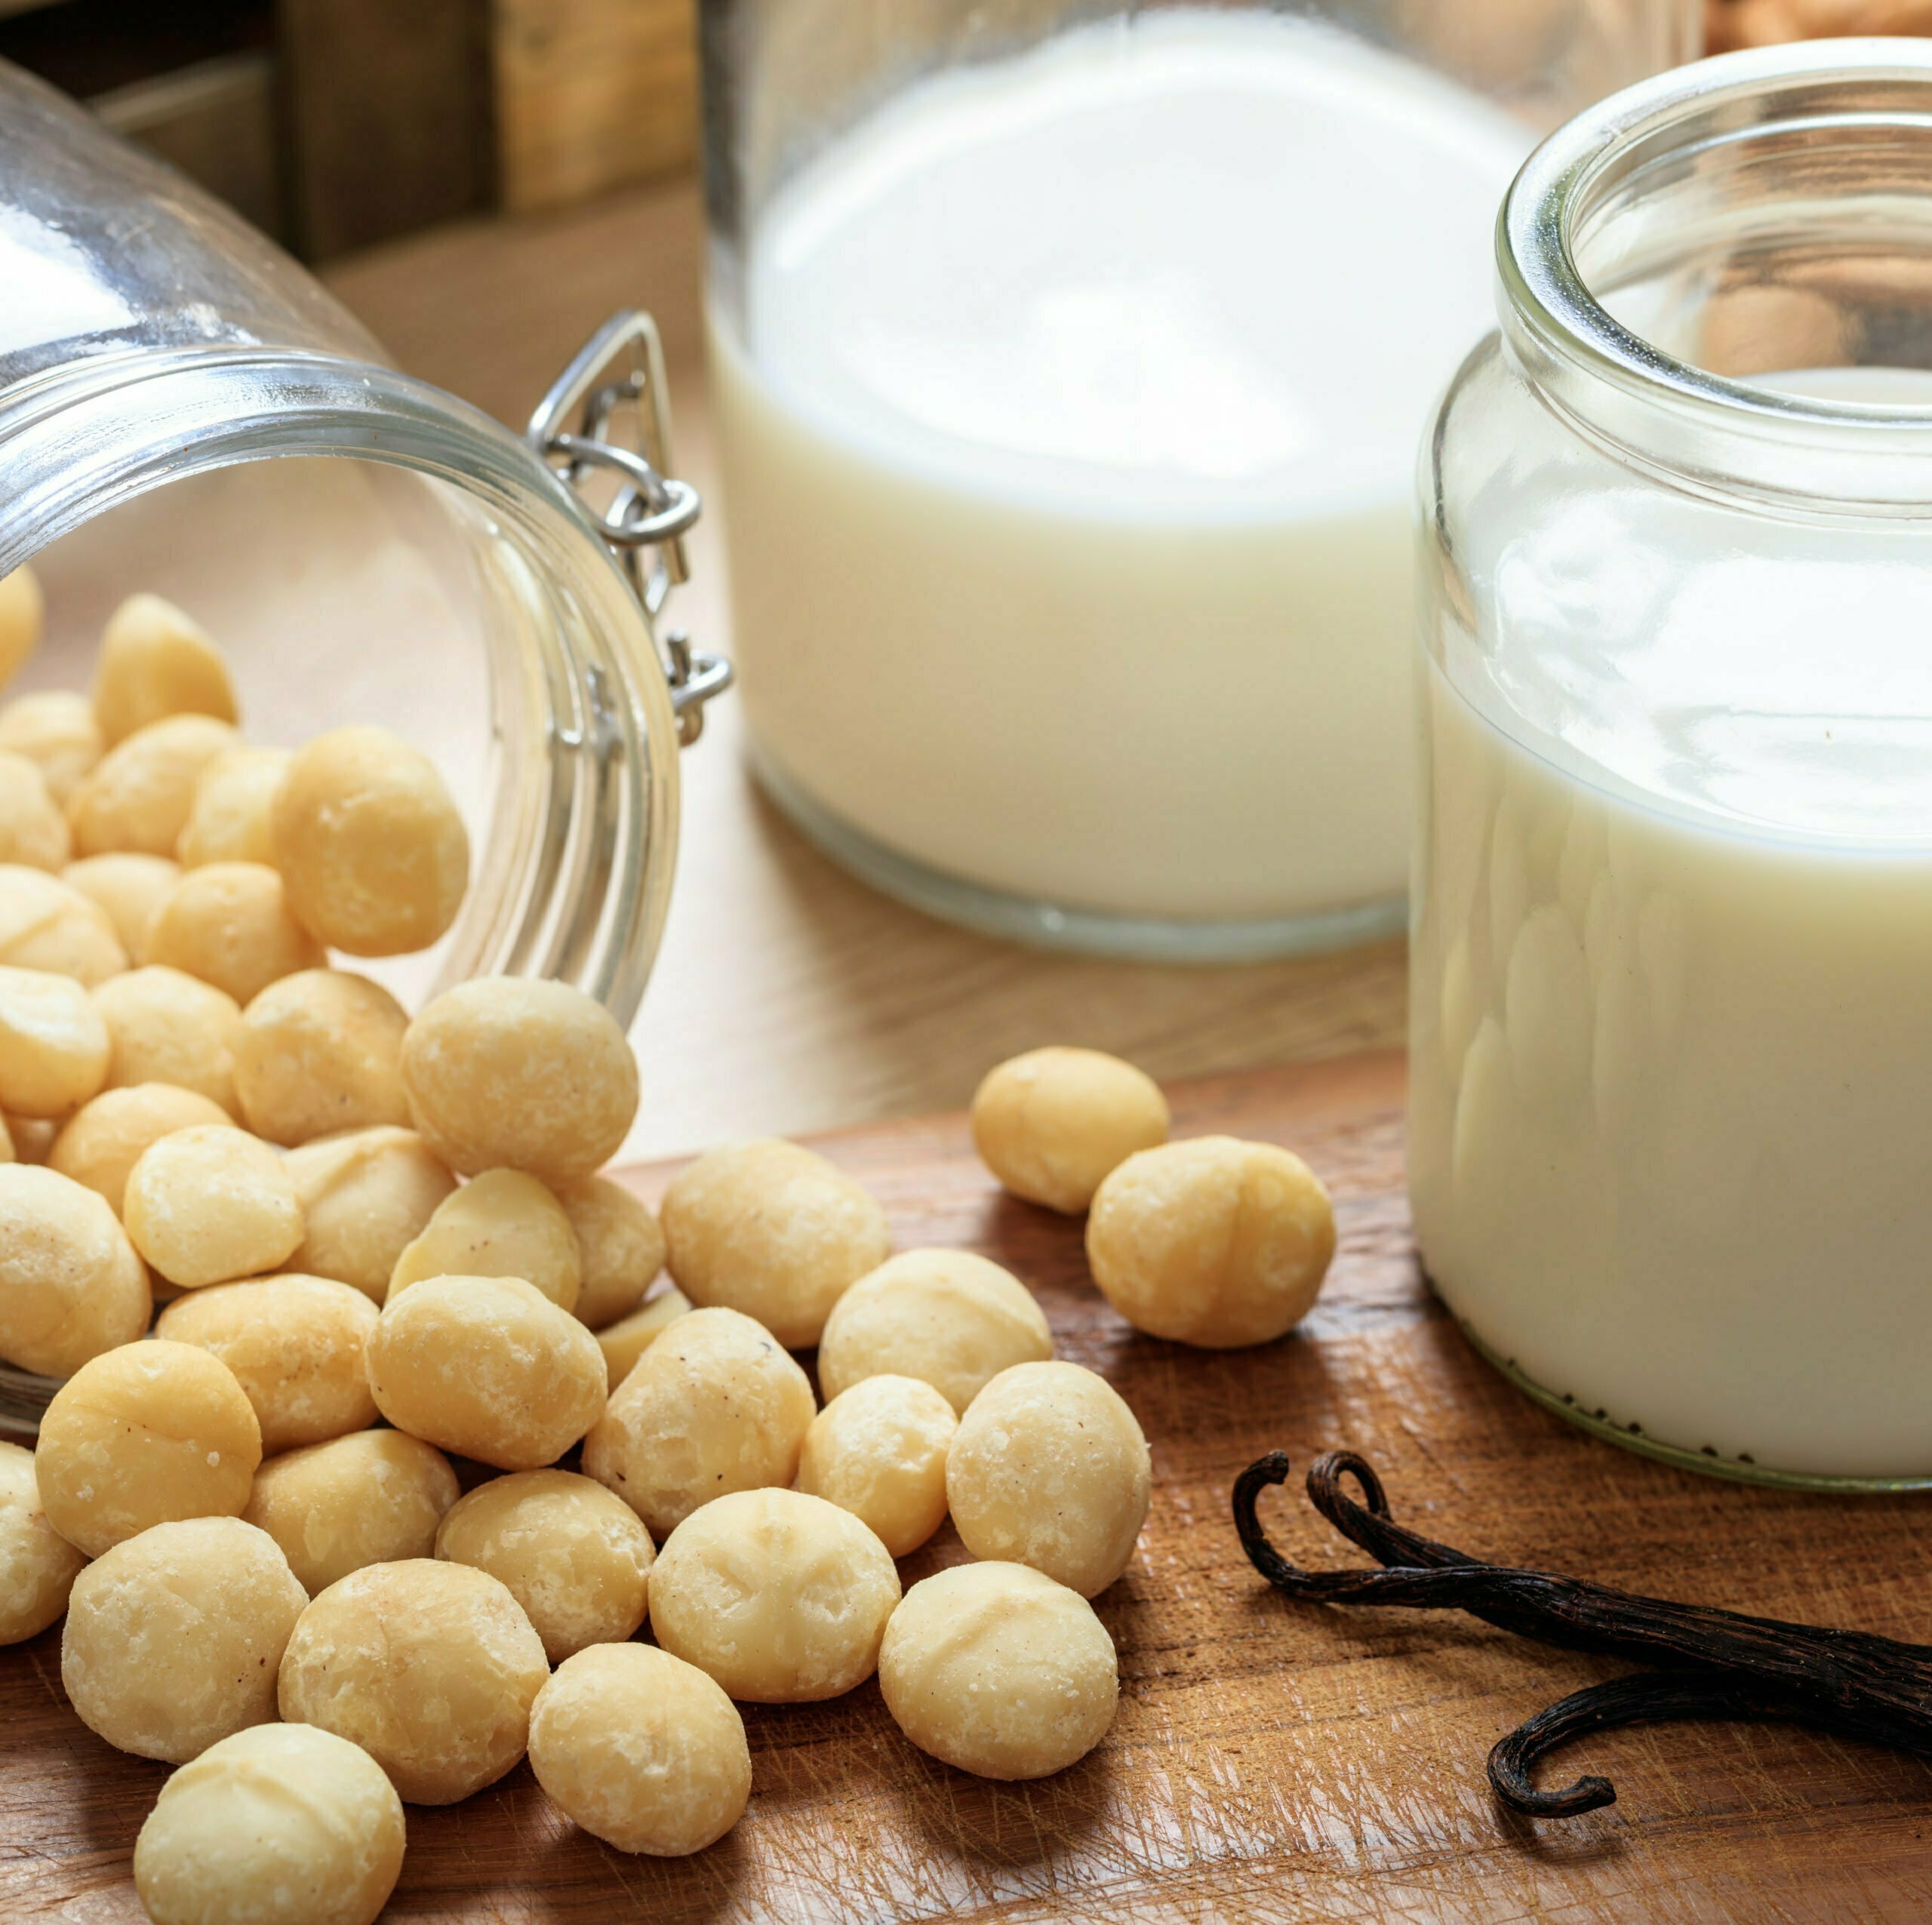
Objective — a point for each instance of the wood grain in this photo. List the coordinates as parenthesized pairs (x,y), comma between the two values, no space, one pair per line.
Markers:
(1270,1761)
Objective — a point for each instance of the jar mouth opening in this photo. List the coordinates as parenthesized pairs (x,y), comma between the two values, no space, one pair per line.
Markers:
(1726,272)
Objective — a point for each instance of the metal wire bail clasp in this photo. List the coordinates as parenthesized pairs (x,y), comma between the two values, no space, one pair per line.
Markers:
(642,511)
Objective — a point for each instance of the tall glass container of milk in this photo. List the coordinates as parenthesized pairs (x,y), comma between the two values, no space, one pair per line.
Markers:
(1070,361)
(1671,1132)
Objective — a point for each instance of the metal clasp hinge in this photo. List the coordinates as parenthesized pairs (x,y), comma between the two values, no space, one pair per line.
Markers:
(648,512)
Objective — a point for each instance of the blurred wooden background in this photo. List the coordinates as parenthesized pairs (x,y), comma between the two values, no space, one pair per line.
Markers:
(336,123)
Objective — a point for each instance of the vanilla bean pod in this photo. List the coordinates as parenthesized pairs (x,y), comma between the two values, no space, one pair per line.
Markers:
(1732,1666)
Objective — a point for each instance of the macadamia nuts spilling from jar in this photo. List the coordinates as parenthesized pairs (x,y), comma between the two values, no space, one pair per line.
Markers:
(499,1224)
(642,1750)
(318,1051)
(1213,1242)
(946,1317)
(781,1598)
(1050,1124)
(624,1343)
(431,1668)
(878,1450)
(286,1822)
(37,1566)
(995,1669)
(573,1555)
(173,1636)
(365,1198)
(209,1204)
(773,1230)
(1049,1467)
(71,1287)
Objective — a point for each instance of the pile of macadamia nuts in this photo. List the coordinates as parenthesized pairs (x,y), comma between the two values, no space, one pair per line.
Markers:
(380,1243)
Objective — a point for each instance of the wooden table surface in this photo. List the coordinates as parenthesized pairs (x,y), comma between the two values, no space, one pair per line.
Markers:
(788,997)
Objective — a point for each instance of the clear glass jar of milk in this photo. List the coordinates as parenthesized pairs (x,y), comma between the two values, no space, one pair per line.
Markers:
(1070,361)
(1672,1023)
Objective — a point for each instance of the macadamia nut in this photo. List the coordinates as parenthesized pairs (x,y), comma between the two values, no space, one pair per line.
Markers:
(33,831)
(146,1434)
(1214,1241)
(946,1317)
(165,1027)
(321,1051)
(1049,1467)
(23,616)
(229,813)
(71,1287)
(431,1668)
(641,1749)
(365,1198)
(46,924)
(208,1204)
(53,1045)
(37,1566)
(781,1598)
(104,1139)
(373,848)
(621,1245)
(1050,1123)
(129,888)
(280,1822)
(155,661)
(715,1405)
(373,1497)
(507,1073)
(878,1450)
(997,1670)
(173,1636)
(626,1340)
(488,1367)
(501,1223)
(228,924)
(138,795)
(54,729)
(773,1230)
(295,1344)
(573,1555)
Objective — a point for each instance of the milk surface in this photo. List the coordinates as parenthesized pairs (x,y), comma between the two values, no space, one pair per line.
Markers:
(1068,449)
(1672,1016)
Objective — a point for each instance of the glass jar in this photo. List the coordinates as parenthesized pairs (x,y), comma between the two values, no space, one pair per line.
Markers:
(183,409)
(1069,361)
(1672,1014)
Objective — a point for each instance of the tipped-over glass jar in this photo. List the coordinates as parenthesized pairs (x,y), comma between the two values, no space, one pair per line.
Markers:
(1671,1017)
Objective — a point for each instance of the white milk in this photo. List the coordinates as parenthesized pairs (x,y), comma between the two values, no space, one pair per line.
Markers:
(1069,471)
(1671,1140)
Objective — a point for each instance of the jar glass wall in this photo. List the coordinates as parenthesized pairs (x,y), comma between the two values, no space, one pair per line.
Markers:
(1068,364)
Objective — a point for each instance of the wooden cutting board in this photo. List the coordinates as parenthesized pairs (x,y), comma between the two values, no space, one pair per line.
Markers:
(1270,1761)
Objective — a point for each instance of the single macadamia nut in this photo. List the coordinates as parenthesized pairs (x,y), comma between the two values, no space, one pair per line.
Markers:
(373,1497)
(878,1450)
(166,1027)
(295,1344)
(55,729)
(105,1138)
(773,1230)
(622,1247)
(501,1223)
(488,1367)
(1049,1467)
(431,1668)
(33,831)
(1214,1241)
(173,1636)
(321,1051)
(155,661)
(37,1566)
(128,888)
(287,1824)
(47,923)
(146,1434)
(372,844)
(626,1340)
(511,1074)
(228,924)
(946,1317)
(641,1749)
(995,1669)
(211,1204)
(365,1198)
(573,1556)
(71,1287)
(781,1597)
(54,1043)
(715,1405)
(228,814)
(22,617)
(1051,1124)
(137,795)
